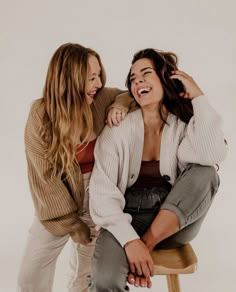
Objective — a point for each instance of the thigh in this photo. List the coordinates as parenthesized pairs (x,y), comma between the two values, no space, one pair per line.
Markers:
(40,256)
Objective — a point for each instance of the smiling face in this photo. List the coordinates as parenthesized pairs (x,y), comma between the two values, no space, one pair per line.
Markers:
(146,86)
(93,82)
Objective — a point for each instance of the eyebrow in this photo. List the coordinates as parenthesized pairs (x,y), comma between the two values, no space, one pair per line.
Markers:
(94,74)
(143,69)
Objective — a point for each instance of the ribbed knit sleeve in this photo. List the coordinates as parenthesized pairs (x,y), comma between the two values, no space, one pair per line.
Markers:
(204,141)
(108,183)
(124,102)
(55,207)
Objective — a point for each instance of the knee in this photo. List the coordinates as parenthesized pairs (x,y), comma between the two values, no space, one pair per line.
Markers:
(204,176)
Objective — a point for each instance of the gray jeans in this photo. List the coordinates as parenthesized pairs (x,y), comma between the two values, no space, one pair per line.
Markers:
(189,198)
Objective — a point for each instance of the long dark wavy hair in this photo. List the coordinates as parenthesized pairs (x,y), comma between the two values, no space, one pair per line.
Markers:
(164,64)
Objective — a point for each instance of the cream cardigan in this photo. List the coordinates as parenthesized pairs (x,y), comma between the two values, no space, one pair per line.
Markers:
(118,155)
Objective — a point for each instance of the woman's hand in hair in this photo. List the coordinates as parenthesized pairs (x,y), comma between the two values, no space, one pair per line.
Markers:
(139,258)
(115,116)
(191,87)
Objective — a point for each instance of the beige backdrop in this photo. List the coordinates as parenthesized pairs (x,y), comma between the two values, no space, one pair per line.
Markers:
(202,34)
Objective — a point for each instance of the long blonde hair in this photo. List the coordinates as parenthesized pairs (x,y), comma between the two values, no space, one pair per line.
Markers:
(68,118)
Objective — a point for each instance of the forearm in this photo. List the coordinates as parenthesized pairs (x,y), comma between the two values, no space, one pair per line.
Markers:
(165,224)
(63,225)
(123,102)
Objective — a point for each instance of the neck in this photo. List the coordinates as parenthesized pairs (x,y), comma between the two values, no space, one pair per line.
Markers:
(152,118)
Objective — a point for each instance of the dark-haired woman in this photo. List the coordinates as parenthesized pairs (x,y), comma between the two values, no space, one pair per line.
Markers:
(154,177)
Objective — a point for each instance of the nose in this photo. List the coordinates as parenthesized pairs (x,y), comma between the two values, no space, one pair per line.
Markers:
(139,80)
(98,83)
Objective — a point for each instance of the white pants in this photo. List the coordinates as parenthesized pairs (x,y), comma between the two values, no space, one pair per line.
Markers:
(42,250)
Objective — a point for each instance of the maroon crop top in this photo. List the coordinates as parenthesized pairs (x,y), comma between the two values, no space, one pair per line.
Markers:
(150,176)
(85,156)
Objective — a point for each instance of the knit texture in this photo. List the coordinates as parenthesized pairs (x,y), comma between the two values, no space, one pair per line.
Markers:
(57,207)
(118,155)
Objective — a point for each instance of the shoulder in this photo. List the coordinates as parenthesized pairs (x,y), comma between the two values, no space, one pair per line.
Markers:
(37,108)
(35,116)
(132,121)
(126,128)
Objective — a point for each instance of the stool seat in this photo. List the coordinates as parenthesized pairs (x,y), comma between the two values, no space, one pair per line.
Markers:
(172,262)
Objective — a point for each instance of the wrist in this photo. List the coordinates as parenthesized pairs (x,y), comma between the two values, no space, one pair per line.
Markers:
(130,242)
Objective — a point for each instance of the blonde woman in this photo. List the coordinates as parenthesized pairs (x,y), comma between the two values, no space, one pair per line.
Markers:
(60,135)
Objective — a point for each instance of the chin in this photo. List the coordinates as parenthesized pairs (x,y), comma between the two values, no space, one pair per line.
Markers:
(89,100)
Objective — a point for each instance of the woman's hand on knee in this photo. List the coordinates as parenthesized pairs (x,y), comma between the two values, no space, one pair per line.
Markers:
(139,281)
(139,258)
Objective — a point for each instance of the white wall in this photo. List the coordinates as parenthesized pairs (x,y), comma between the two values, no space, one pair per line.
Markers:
(201,33)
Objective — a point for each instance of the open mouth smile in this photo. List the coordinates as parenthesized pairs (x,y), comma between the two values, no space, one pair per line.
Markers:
(143,91)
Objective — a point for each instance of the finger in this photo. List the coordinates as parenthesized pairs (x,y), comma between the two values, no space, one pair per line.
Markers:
(149,283)
(138,269)
(87,240)
(182,73)
(143,282)
(145,270)
(137,281)
(114,117)
(108,121)
(131,279)
(185,95)
(151,267)
(132,268)
(118,117)
(115,122)
(179,77)
(123,115)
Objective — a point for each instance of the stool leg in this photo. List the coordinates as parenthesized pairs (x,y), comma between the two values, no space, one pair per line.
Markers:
(173,283)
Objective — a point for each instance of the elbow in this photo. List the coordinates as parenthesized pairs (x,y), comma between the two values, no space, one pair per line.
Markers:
(216,157)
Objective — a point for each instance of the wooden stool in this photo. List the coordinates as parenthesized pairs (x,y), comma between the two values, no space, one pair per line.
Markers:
(172,262)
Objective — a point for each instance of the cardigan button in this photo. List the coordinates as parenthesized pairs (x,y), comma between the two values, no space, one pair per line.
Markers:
(166,177)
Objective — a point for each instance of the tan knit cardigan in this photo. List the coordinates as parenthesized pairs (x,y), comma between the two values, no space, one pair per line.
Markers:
(57,207)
